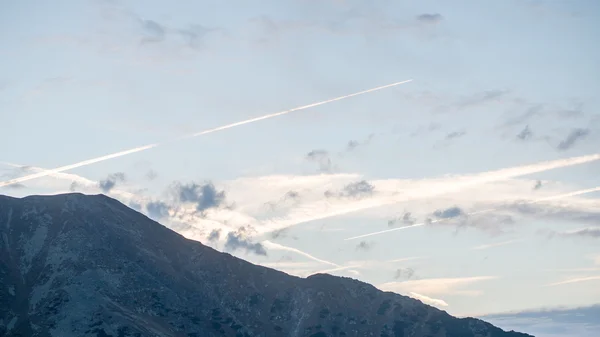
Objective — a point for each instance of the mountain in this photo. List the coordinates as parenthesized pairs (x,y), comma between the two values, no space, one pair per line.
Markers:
(77,265)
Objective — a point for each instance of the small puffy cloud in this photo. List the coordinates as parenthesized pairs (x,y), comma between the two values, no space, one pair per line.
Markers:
(406,219)
(205,196)
(364,245)
(449,213)
(572,138)
(430,18)
(237,240)
(157,209)
(525,134)
(214,235)
(358,189)
(111,181)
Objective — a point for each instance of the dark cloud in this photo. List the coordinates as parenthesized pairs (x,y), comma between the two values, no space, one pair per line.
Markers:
(455,134)
(538,185)
(525,134)
(364,245)
(449,213)
(204,196)
(157,209)
(153,31)
(358,189)
(111,181)
(16,186)
(404,273)
(214,235)
(430,18)
(237,241)
(572,138)
(292,195)
(322,158)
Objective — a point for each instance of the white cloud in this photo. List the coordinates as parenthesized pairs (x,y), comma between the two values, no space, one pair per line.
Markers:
(428,300)
(436,286)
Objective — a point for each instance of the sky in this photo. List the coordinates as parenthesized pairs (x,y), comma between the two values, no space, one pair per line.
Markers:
(474,187)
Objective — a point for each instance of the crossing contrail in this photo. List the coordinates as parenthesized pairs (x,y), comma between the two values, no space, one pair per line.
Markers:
(554,197)
(220,128)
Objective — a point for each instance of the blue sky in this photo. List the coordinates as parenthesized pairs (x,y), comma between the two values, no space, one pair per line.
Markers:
(496,85)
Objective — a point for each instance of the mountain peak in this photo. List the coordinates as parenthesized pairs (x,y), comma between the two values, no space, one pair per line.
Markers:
(86,265)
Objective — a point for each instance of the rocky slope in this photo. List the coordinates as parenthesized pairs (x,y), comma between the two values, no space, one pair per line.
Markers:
(76,265)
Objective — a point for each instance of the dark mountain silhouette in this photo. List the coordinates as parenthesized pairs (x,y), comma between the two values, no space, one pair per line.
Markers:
(77,265)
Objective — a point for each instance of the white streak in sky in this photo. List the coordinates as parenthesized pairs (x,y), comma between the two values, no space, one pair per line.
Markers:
(274,246)
(555,197)
(220,128)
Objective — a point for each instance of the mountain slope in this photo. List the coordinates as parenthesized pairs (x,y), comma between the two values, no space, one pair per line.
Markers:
(76,265)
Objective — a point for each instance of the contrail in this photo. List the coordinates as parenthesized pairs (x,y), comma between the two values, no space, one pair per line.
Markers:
(220,128)
(457,183)
(78,179)
(555,197)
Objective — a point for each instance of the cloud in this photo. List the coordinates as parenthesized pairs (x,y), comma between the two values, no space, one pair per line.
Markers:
(153,31)
(359,189)
(363,245)
(151,175)
(406,219)
(405,273)
(136,206)
(574,280)
(428,300)
(525,134)
(482,98)
(551,322)
(111,181)
(449,213)
(572,138)
(437,286)
(237,241)
(195,34)
(214,235)
(274,246)
(157,209)
(322,158)
(455,134)
(430,18)
(590,232)
(197,134)
(205,196)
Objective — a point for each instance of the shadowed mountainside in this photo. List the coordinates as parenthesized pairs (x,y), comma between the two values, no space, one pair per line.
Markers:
(78,265)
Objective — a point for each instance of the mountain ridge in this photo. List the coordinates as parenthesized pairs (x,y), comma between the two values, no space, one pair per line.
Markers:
(87,265)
